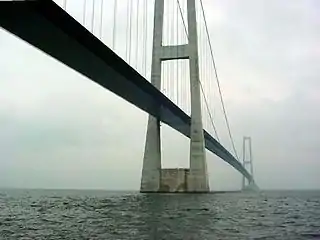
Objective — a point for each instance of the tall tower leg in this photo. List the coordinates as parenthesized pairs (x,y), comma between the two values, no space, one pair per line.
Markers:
(198,176)
(151,170)
(150,180)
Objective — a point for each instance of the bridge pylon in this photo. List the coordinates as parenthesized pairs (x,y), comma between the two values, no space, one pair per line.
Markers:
(247,162)
(154,178)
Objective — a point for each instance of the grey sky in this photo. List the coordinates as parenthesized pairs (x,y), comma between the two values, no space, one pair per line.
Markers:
(60,130)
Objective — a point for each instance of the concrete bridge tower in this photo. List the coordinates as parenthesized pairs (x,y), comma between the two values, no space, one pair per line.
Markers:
(154,178)
(247,161)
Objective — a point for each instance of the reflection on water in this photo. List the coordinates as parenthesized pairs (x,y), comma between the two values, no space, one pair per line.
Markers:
(62,214)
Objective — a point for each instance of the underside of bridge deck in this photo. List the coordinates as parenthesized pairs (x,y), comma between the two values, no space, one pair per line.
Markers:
(46,26)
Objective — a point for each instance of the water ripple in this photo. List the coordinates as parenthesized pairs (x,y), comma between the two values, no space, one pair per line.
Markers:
(38,214)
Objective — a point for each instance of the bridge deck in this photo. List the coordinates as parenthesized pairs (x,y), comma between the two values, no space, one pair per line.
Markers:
(46,26)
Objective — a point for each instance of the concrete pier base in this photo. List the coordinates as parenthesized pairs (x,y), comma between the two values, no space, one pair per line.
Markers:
(180,180)
(174,180)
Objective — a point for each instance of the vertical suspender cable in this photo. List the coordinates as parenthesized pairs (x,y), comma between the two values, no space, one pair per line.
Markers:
(143,37)
(174,61)
(177,60)
(92,17)
(84,12)
(101,19)
(127,28)
(137,33)
(145,5)
(167,40)
(129,9)
(171,88)
(114,25)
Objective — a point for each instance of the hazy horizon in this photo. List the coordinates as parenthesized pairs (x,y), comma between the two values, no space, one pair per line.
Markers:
(138,190)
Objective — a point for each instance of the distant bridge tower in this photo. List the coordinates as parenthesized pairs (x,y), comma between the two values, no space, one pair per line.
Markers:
(247,160)
(154,178)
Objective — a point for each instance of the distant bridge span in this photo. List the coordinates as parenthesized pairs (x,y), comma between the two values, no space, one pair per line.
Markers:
(49,28)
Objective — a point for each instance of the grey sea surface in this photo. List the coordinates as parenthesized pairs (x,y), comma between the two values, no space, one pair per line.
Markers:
(75,214)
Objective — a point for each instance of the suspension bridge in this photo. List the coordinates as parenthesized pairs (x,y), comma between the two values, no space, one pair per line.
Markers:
(156,55)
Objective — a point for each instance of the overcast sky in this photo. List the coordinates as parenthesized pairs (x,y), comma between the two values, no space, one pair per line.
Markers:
(60,130)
